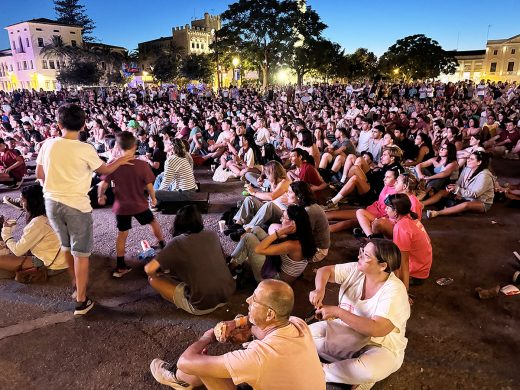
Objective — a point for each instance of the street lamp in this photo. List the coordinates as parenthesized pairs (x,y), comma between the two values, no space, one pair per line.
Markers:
(396,71)
(235,62)
(236,70)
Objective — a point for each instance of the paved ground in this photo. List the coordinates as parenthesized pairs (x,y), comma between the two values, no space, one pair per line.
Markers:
(455,340)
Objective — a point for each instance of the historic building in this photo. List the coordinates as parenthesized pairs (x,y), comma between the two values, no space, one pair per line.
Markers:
(23,65)
(194,38)
(502,60)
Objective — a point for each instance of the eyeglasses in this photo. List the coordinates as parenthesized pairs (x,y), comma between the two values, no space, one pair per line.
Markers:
(253,299)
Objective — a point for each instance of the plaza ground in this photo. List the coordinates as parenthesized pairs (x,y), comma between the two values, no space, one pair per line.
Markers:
(456,341)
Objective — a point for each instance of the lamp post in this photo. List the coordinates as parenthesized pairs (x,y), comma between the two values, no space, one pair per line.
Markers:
(236,70)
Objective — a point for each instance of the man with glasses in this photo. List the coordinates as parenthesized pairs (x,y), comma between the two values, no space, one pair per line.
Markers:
(281,356)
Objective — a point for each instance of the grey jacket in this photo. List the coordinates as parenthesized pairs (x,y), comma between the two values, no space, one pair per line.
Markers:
(480,187)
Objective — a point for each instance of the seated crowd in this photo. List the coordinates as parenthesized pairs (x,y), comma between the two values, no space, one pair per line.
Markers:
(314,161)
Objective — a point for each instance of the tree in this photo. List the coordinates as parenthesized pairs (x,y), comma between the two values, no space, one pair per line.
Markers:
(165,66)
(303,50)
(59,50)
(329,57)
(80,73)
(197,67)
(360,65)
(71,12)
(417,57)
(256,29)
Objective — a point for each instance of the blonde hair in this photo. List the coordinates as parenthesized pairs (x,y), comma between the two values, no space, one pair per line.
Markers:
(276,170)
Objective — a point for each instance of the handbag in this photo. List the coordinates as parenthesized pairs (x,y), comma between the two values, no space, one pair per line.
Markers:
(33,274)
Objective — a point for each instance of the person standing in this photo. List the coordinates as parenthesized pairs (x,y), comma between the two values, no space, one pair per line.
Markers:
(65,166)
(129,183)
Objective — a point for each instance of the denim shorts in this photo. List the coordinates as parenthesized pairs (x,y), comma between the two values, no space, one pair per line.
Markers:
(74,228)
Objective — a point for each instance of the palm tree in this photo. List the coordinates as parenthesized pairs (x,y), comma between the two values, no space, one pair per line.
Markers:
(58,49)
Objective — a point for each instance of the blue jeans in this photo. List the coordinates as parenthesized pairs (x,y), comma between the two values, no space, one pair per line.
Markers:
(74,228)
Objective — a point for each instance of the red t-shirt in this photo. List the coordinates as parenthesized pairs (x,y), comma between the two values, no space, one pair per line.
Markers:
(10,157)
(514,137)
(129,183)
(309,174)
(410,236)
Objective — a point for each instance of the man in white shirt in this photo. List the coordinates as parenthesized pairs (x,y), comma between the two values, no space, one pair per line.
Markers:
(64,167)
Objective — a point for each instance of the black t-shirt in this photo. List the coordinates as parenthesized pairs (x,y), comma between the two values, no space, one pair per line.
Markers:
(159,156)
(197,260)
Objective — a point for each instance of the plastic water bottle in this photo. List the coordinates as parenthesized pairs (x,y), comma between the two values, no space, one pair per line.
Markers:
(148,252)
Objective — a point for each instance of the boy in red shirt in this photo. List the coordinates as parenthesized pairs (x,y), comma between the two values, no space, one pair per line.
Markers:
(129,182)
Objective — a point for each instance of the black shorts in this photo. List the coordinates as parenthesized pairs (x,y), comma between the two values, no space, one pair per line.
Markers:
(124,222)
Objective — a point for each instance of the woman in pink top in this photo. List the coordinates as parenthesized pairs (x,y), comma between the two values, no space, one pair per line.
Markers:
(376,210)
(406,183)
(411,238)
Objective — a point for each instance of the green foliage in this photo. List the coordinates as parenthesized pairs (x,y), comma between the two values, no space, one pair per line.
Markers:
(417,57)
(80,73)
(72,12)
(197,67)
(362,64)
(165,67)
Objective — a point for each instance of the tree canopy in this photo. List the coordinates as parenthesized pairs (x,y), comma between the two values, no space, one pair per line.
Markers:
(72,12)
(417,57)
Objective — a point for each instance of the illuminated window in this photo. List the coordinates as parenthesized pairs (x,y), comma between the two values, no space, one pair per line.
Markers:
(493,67)
(40,42)
(510,66)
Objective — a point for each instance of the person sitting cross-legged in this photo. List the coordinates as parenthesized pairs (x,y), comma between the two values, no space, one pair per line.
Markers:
(196,278)
(281,356)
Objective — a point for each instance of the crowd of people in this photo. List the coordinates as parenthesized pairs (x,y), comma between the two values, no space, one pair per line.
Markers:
(314,161)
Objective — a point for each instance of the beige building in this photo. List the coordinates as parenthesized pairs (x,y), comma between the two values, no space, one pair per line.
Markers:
(470,67)
(23,65)
(194,38)
(502,62)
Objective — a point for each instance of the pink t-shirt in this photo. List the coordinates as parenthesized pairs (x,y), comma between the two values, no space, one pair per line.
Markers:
(417,206)
(410,236)
(285,359)
(378,207)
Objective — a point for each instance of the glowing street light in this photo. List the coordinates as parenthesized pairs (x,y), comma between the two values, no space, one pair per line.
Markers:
(236,62)
(283,75)
(396,71)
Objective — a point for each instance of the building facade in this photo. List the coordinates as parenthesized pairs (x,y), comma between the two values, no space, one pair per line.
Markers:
(194,38)
(502,62)
(470,66)
(23,65)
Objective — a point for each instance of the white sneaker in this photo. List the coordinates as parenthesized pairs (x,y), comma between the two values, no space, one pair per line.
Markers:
(161,373)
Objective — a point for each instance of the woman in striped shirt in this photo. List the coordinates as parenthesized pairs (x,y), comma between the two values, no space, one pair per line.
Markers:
(178,171)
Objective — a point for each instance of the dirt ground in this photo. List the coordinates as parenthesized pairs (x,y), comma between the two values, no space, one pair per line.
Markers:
(456,341)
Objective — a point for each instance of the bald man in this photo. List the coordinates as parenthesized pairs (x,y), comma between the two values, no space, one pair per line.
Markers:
(282,355)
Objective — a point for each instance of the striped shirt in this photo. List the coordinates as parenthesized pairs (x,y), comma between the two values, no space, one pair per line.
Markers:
(178,173)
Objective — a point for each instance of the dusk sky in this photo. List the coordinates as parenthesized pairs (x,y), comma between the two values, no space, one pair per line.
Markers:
(376,25)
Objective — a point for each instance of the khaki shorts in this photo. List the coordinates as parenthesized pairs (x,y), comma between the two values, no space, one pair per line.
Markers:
(180,300)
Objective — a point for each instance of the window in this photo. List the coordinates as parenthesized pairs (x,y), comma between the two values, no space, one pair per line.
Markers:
(38,29)
(14,45)
(510,66)
(40,42)
(20,49)
(103,65)
(202,46)
(55,30)
(58,64)
(192,45)
(18,66)
(493,67)
(513,51)
(197,45)
(27,42)
(73,43)
(11,67)
(51,64)
(73,33)
(44,64)
(495,52)
(25,65)
(32,66)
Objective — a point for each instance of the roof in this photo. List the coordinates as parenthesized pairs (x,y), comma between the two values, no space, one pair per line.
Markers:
(467,53)
(6,53)
(496,41)
(94,44)
(157,40)
(45,21)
